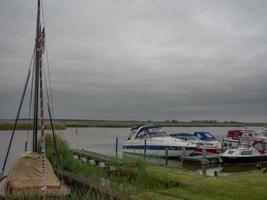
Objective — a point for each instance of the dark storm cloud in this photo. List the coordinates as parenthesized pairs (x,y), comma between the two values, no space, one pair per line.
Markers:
(151,59)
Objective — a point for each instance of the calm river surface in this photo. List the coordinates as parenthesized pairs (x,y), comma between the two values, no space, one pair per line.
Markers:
(101,140)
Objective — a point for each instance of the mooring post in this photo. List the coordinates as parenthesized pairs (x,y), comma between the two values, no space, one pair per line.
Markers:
(166,156)
(145,148)
(183,152)
(116,150)
(204,157)
(182,158)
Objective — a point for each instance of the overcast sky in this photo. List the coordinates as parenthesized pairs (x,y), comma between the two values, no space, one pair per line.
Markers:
(141,59)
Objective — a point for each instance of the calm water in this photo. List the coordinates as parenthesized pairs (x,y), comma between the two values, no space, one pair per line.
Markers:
(101,140)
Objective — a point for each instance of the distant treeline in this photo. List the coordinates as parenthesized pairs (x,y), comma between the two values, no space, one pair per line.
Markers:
(166,123)
(27,125)
(63,123)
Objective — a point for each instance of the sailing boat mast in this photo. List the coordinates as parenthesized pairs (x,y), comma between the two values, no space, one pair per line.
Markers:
(38,55)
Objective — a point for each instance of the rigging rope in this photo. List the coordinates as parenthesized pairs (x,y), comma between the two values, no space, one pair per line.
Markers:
(49,97)
(50,101)
(42,138)
(31,95)
(43,189)
(17,117)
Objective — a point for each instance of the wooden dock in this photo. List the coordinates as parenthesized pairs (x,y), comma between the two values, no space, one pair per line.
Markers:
(100,189)
(90,155)
(86,156)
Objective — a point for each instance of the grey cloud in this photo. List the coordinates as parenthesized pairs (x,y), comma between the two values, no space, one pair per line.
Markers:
(151,59)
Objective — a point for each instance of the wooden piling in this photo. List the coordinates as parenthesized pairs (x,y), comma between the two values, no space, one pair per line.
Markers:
(204,159)
(116,147)
(166,156)
(145,146)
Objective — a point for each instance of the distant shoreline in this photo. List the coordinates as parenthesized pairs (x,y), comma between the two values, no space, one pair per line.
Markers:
(61,124)
(26,125)
(167,123)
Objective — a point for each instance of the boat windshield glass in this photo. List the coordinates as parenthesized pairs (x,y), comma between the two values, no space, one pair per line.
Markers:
(151,132)
(261,134)
(191,137)
(244,145)
(156,132)
(185,137)
(131,134)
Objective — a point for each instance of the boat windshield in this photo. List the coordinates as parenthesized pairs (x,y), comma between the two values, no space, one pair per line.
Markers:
(133,132)
(151,132)
(244,145)
(261,134)
(184,136)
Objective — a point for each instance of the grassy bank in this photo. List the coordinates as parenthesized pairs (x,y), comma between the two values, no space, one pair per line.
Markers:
(26,125)
(195,187)
(144,181)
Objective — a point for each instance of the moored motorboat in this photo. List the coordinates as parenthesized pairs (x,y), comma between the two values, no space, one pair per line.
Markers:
(251,150)
(208,141)
(233,136)
(210,147)
(152,141)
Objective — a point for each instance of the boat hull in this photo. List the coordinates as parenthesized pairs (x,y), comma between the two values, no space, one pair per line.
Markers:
(158,150)
(199,150)
(243,159)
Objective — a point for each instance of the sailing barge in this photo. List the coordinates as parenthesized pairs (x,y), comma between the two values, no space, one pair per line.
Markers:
(32,173)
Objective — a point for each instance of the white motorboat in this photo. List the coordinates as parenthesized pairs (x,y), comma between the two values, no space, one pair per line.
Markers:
(209,142)
(203,140)
(233,136)
(249,151)
(152,141)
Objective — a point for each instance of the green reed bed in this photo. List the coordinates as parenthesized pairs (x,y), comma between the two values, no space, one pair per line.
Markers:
(27,125)
(128,178)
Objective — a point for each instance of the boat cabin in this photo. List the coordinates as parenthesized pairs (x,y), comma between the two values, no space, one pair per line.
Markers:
(144,131)
(236,134)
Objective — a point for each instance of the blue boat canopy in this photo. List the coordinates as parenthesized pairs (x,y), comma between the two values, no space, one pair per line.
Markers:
(204,135)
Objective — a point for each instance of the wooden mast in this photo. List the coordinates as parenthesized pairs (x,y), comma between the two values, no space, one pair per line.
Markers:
(38,55)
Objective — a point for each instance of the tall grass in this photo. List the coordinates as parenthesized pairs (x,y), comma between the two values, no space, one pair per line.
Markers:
(128,178)
(26,125)
(72,196)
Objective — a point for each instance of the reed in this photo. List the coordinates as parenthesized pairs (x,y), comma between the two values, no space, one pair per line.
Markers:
(128,179)
(143,181)
(26,125)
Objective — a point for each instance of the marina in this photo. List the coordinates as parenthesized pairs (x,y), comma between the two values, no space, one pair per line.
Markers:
(126,61)
(103,141)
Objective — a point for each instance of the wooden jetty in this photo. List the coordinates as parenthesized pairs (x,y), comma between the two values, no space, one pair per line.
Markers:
(101,189)
(90,155)
(98,158)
